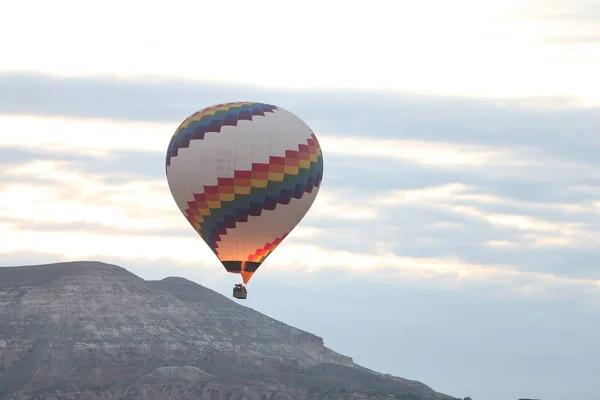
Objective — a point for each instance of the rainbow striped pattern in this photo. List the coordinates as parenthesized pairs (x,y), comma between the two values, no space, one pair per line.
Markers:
(248,193)
(260,254)
(211,119)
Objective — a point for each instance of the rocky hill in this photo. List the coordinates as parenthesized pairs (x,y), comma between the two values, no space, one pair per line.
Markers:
(88,330)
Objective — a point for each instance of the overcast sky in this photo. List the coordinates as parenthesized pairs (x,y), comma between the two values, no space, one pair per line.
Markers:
(455,238)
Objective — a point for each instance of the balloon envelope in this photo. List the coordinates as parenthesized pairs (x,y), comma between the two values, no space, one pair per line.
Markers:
(244,175)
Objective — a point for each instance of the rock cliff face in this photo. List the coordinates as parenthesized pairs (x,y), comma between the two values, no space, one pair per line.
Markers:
(88,330)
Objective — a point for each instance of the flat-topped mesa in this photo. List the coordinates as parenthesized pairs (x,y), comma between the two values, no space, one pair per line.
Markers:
(89,326)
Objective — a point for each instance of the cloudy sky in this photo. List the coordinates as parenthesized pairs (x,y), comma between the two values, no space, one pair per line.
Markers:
(455,237)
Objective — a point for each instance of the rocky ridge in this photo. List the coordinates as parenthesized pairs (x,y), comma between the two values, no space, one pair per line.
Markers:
(89,330)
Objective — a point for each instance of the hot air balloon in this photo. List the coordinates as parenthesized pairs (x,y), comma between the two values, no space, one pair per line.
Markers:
(244,175)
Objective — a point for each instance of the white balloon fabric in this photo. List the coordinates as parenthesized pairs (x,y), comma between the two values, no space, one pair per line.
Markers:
(244,175)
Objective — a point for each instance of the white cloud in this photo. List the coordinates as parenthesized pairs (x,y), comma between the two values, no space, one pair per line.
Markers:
(338,205)
(423,152)
(444,192)
(72,196)
(129,210)
(396,48)
(132,208)
(462,199)
(540,232)
(86,244)
(88,136)
(97,137)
